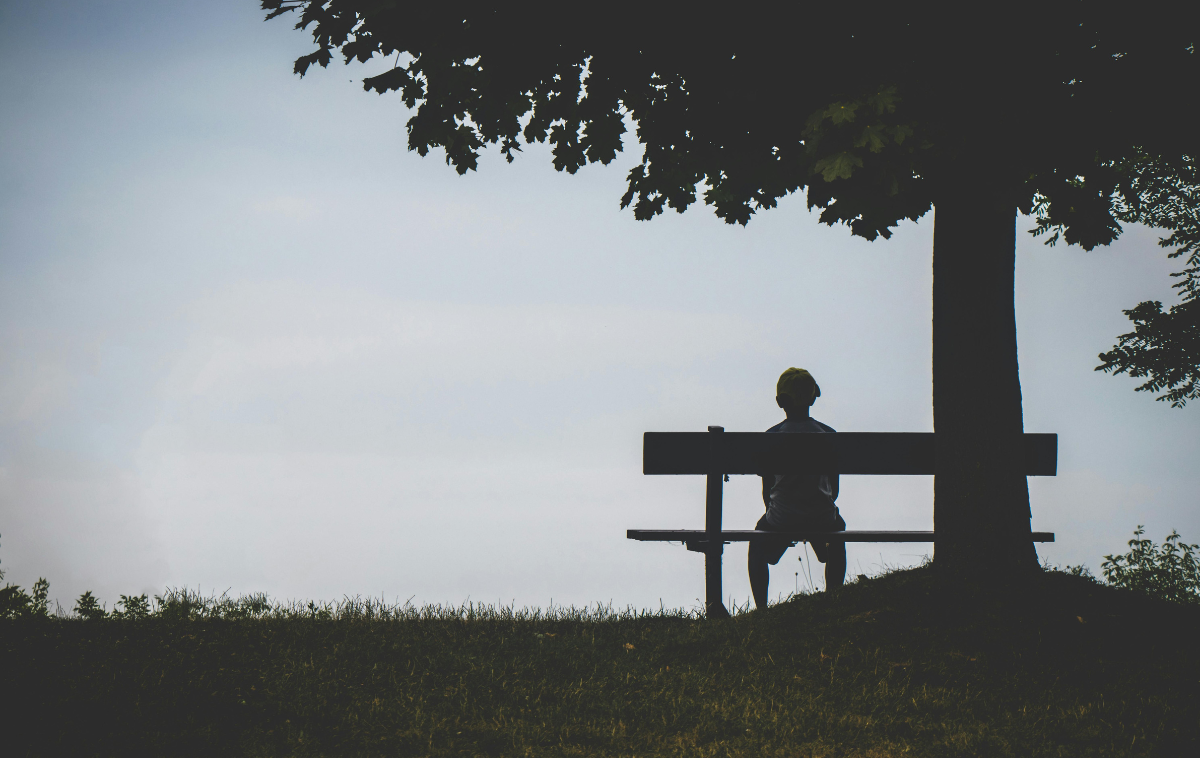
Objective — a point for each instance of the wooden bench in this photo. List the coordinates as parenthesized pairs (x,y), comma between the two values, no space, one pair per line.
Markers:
(717,454)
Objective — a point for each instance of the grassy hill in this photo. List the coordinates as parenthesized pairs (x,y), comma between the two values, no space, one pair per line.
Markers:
(904,664)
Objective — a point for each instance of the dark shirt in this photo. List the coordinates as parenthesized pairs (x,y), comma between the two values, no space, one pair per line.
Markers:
(799,501)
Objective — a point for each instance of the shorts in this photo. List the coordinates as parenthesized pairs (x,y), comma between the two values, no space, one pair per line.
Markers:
(774,547)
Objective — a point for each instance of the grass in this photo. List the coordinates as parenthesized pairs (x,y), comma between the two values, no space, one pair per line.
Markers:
(904,664)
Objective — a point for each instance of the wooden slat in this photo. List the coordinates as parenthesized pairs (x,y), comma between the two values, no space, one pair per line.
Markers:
(745,535)
(882,453)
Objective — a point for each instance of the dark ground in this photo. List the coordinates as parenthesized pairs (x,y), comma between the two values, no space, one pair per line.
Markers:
(905,664)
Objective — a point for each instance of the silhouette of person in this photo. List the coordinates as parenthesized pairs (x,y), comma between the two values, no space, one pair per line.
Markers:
(797,502)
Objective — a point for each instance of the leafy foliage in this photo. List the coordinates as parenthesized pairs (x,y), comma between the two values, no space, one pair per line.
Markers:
(858,104)
(183,603)
(1164,347)
(132,607)
(88,607)
(1165,193)
(729,101)
(16,603)
(39,601)
(1168,572)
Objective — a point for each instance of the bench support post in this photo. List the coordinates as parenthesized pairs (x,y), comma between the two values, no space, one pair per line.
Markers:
(714,605)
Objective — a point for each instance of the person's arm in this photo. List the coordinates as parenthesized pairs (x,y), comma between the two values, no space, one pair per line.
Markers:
(768,483)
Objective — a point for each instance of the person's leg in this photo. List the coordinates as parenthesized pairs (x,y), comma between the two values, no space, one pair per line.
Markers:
(762,554)
(760,574)
(835,559)
(835,565)
(818,549)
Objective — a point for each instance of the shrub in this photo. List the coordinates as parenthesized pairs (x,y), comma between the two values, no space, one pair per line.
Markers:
(1080,570)
(39,603)
(88,607)
(17,603)
(129,607)
(14,602)
(1169,572)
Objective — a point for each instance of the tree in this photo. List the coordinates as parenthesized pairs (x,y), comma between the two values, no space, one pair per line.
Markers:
(880,111)
(1164,346)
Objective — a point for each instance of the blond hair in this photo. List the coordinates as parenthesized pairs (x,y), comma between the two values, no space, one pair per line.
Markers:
(799,385)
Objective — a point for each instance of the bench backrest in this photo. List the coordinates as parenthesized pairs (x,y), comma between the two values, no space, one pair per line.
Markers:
(842,453)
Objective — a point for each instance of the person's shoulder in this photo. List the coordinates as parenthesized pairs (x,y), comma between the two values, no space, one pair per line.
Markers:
(808,425)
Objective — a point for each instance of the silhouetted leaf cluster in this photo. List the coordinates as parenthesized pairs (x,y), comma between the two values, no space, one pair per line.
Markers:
(1164,346)
(1075,114)
(1167,572)
(873,107)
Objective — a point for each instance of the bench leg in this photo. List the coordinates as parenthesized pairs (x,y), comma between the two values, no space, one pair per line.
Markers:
(714,605)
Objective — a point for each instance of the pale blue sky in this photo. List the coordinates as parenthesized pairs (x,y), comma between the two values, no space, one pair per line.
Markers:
(248,341)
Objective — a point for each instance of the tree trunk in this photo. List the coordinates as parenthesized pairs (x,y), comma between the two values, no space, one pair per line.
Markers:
(981,499)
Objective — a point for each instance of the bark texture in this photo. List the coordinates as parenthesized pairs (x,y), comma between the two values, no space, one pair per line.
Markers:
(981,498)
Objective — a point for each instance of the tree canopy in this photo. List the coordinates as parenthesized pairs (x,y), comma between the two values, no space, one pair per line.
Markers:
(1074,112)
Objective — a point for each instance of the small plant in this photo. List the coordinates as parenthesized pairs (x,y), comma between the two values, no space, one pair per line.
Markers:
(1080,570)
(14,602)
(179,604)
(39,603)
(88,607)
(129,607)
(17,603)
(1169,572)
(322,611)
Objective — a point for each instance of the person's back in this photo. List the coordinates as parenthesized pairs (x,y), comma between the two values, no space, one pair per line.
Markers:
(801,501)
(797,502)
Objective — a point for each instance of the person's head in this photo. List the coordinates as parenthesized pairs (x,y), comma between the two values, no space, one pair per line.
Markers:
(796,390)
